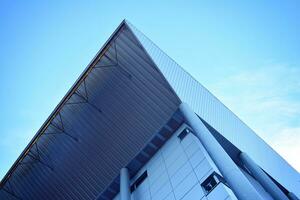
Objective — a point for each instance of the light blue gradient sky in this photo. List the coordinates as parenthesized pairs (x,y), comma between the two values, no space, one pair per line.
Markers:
(246,53)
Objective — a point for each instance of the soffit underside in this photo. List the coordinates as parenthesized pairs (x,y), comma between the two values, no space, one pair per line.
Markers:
(116,108)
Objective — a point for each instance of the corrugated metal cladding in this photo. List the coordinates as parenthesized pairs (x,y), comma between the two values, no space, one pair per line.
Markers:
(119,105)
(209,108)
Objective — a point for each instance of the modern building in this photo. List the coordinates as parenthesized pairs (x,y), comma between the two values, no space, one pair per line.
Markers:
(136,126)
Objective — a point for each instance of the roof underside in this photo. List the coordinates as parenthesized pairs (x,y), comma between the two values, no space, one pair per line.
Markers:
(120,105)
(115,108)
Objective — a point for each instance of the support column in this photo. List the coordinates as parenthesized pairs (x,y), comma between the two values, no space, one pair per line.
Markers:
(262,178)
(124,184)
(237,181)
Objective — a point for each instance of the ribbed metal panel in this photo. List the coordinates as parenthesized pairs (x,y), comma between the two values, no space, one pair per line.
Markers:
(114,111)
(145,154)
(209,108)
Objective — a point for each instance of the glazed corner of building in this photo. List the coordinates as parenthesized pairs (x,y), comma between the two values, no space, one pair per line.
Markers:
(136,126)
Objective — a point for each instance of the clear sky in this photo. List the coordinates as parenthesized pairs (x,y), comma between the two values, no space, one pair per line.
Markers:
(246,52)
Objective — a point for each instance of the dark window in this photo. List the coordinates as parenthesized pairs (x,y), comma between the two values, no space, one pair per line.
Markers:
(211,182)
(184,133)
(138,181)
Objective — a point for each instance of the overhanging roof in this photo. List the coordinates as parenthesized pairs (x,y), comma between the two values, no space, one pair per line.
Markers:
(109,115)
(126,96)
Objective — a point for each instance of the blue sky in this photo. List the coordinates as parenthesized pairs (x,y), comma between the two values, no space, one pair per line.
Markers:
(245,52)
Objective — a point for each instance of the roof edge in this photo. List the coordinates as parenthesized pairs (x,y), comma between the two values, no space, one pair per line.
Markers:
(61,104)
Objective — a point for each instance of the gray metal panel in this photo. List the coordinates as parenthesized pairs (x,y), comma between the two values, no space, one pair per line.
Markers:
(113,111)
(209,108)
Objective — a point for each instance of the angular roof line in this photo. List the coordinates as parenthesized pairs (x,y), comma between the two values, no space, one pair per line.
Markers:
(56,110)
(131,28)
(192,92)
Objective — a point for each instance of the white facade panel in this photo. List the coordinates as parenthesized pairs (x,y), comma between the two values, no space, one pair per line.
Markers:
(209,108)
(176,172)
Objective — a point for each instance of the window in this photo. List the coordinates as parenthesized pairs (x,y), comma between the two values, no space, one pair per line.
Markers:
(138,181)
(184,133)
(211,182)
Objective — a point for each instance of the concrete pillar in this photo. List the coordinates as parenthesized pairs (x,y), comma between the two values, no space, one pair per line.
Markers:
(262,178)
(237,181)
(124,184)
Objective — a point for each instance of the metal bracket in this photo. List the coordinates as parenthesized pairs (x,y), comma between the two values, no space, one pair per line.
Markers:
(114,63)
(84,98)
(36,157)
(60,128)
